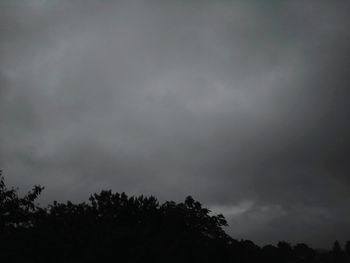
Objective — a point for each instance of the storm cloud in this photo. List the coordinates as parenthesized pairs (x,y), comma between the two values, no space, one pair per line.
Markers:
(242,104)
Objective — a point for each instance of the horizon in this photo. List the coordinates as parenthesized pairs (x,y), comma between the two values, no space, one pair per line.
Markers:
(242,105)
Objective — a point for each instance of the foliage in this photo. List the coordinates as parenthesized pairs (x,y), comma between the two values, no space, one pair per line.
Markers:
(113,226)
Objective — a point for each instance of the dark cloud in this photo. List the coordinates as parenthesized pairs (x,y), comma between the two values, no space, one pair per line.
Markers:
(242,105)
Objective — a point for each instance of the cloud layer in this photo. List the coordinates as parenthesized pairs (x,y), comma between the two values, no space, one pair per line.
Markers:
(243,105)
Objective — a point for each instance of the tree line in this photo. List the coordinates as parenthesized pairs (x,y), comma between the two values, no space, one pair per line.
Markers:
(114,227)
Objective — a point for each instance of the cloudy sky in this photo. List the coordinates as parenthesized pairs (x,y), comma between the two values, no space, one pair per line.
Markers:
(242,104)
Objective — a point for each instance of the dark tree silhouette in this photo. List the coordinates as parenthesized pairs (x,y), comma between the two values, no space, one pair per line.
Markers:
(337,252)
(118,228)
(347,248)
(16,211)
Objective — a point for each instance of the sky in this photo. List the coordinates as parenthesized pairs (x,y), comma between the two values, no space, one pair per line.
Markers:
(242,104)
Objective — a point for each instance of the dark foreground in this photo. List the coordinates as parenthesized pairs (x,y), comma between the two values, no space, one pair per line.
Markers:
(117,228)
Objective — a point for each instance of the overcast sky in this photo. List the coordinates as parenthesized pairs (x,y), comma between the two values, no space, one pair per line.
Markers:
(242,104)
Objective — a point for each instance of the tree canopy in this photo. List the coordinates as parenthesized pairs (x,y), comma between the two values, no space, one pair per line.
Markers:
(114,226)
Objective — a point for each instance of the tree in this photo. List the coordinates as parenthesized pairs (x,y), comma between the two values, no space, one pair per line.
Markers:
(14,210)
(337,252)
(347,248)
(304,253)
(131,229)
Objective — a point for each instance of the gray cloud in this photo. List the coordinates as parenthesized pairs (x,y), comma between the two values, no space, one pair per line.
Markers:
(242,105)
